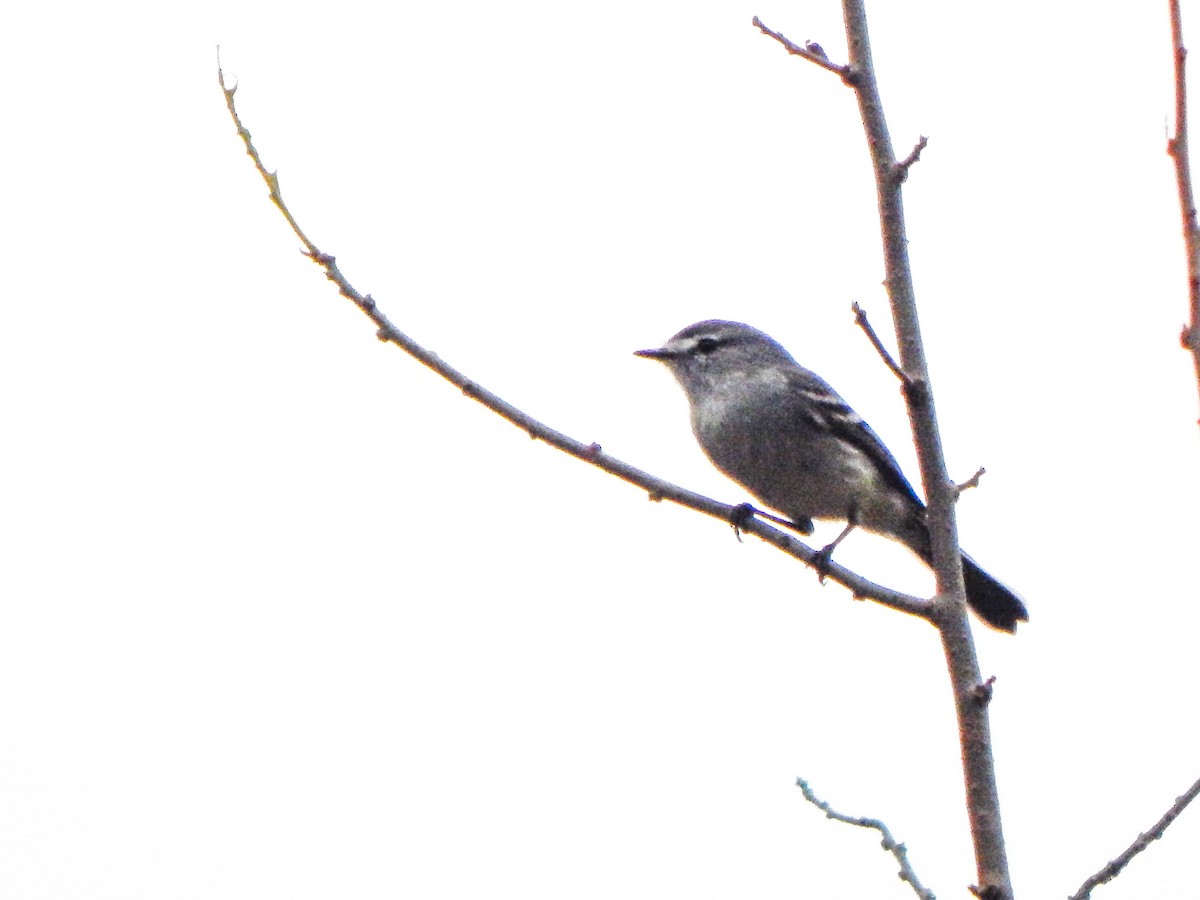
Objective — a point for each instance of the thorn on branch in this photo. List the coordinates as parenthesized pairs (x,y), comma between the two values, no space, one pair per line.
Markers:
(972,482)
(320,258)
(900,170)
(982,693)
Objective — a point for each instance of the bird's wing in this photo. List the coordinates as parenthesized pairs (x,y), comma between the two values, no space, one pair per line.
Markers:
(827,411)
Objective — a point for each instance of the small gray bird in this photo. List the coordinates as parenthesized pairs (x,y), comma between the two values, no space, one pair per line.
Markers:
(786,436)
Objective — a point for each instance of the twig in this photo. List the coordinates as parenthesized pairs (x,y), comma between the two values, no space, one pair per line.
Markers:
(813,52)
(591,453)
(972,482)
(860,319)
(1177,148)
(1109,872)
(901,169)
(889,843)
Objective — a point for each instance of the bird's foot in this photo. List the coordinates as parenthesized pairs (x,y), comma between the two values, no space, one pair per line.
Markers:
(742,513)
(825,554)
(823,558)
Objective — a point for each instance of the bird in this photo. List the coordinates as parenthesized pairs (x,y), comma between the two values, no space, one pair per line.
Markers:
(781,432)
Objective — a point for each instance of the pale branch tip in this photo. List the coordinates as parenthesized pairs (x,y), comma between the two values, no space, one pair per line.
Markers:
(889,843)
(972,482)
(658,489)
(1144,840)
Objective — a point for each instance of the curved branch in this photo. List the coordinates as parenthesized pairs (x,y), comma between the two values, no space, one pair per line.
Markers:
(889,843)
(1177,149)
(591,453)
(1113,869)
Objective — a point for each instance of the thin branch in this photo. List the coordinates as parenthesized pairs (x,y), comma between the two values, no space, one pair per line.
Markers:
(1113,869)
(979,772)
(972,482)
(889,843)
(1177,148)
(591,453)
(860,319)
(812,52)
(901,169)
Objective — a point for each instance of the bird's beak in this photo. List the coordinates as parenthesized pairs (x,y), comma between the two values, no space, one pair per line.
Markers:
(661,353)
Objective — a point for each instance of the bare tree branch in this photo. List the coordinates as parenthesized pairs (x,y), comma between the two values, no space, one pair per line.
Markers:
(1144,840)
(741,516)
(889,843)
(982,795)
(902,167)
(983,801)
(972,482)
(1177,148)
(813,52)
(860,319)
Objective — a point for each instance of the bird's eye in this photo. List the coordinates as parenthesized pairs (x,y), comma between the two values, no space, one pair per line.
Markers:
(706,345)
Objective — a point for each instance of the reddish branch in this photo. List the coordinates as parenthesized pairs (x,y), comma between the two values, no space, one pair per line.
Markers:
(1177,147)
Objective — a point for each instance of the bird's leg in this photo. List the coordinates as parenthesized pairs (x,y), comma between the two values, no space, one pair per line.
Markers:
(744,512)
(825,554)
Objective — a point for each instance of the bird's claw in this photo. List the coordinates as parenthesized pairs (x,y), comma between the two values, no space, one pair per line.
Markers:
(822,560)
(742,513)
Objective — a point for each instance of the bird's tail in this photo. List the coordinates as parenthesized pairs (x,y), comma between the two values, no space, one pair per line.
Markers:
(992,601)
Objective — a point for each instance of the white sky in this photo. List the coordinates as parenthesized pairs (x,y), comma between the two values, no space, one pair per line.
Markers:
(281,615)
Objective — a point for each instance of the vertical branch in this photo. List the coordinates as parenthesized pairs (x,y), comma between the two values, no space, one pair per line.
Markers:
(970,695)
(1177,148)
